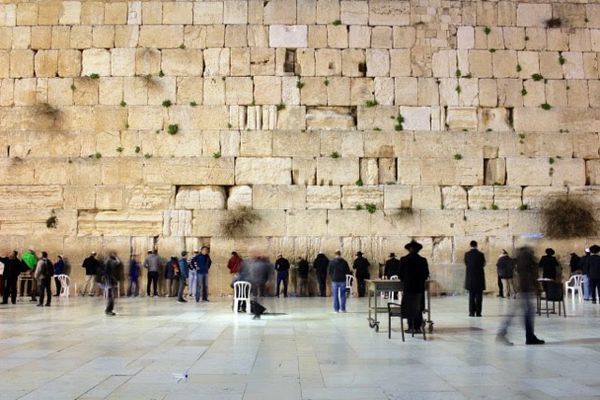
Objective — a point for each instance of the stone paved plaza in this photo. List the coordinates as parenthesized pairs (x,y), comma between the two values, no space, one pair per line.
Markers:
(303,351)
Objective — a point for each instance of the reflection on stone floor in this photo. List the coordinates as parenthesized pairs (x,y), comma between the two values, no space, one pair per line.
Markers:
(72,351)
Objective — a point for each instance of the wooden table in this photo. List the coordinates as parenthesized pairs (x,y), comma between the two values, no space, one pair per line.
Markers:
(377,286)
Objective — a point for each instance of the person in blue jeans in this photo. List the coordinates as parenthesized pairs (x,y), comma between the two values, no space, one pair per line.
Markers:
(202,262)
(338,269)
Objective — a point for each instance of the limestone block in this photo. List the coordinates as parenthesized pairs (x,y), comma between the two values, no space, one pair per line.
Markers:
(338,91)
(453,197)
(122,62)
(533,14)
(462,118)
(281,197)
(46,63)
(190,89)
(573,67)
(208,13)
(494,119)
(267,89)
(115,13)
(200,197)
(328,62)
(480,63)
(558,39)
(274,171)
(550,67)
(348,223)
(528,172)
(351,60)
(323,197)
(238,90)
(535,196)
(495,171)
(149,197)
(378,62)
(96,61)
(427,197)
(21,63)
(86,92)
(532,119)
(31,197)
(60,37)
(216,62)
(353,196)
(161,36)
(79,197)
(416,118)
(119,223)
(147,62)
(177,223)
(508,197)
(126,36)
(215,36)
(568,172)
(256,144)
(290,93)
(269,224)
(406,91)
(384,117)
(576,95)
(381,37)
(442,222)
(109,198)
(484,223)
(305,12)
(481,197)
(529,61)
(468,171)
(397,197)
(296,144)
(103,36)
(262,61)
(387,170)
(280,12)
(306,222)
(354,12)
(488,93)
(324,118)
(213,91)
(288,36)
(59,92)
(190,171)
(337,171)
(182,62)
(317,36)
(387,12)
(200,117)
(291,118)
(514,38)
(239,196)
(579,40)
(592,169)
(369,171)
(361,90)
(359,37)
(504,64)
(304,171)
(400,62)
(586,145)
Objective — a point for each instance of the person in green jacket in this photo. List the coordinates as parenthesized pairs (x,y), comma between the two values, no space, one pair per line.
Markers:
(30,260)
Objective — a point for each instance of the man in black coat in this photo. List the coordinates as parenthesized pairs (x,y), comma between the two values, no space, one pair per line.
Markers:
(594,271)
(320,264)
(302,277)
(505,267)
(90,264)
(392,267)
(361,267)
(413,273)
(475,279)
(282,266)
(549,265)
(110,280)
(12,268)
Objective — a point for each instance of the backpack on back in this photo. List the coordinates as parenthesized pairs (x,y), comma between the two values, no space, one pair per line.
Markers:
(47,269)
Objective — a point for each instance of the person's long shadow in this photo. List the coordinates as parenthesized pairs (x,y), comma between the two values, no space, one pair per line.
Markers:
(576,341)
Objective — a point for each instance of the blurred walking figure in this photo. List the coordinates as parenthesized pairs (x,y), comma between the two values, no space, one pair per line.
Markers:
(134,277)
(183,276)
(320,265)
(302,277)
(475,279)
(172,276)
(110,280)
(257,270)
(361,267)
(338,269)
(90,264)
(528,288)
(59,269)
(594,271)
(151,263)
(506,267)
(43,275)
(235,263)
(282,266)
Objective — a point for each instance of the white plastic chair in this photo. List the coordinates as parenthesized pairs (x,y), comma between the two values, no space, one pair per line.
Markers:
(349,281)
(390,294)
(65,285)
(575,284)
(241,293)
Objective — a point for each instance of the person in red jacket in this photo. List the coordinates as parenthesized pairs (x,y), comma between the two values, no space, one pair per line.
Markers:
(234,263)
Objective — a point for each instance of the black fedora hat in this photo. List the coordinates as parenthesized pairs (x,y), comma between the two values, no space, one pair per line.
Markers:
(359,253)
(413,244)
(595,249)
(392,255)
(550,252)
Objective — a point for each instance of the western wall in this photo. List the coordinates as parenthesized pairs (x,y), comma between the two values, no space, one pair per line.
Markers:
(345,124)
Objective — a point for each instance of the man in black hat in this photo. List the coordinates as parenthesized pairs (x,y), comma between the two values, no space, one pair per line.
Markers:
(413,273)
(361,267)
(549,265)
(594,271)
(392,267)
(475,279)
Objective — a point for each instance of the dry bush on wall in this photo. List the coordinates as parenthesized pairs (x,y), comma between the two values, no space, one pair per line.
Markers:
(236,221)
(567,217)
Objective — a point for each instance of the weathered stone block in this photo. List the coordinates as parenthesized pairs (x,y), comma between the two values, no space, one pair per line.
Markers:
(161,36)
(117,223)
(387,12)
(323,118)
(337,171)
(454,197)
(200,197)
(348,223)
(190,171)
(306,222)
(282,197)
(96,61)
(528,172)
(288,36)
(304,171)
(323,197)
(275,171)
(239,196)
(353,196)
(533,14)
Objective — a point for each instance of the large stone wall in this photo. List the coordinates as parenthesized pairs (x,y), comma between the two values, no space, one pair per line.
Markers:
(468,113)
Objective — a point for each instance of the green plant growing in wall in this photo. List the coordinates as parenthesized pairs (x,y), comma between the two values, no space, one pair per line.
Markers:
(167,103)
(299,84)
(561,59)
(371,103)
(182,46)
(523,207)
(487,30)
(94,76)
(120,149)
(161,73)
(359,182)
(237,221)
(519,68)
(73,87)
(193,104)
(280,106)
(359,207)
(546,106)
(494,206)
(173,129)
(458,73)
(458,156)
(370,207)
(551,171)
(147,155)
(551,161)
(399,122)
(523,92)
(137,149)
(97,156)
(537,77)
(468,76)
(326,82)
(334,154)
(568,217)
(217,154)
(458,89)
(492,50)
(123,103)
(336,22)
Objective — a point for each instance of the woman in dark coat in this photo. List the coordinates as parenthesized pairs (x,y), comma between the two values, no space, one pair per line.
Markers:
(475,279)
